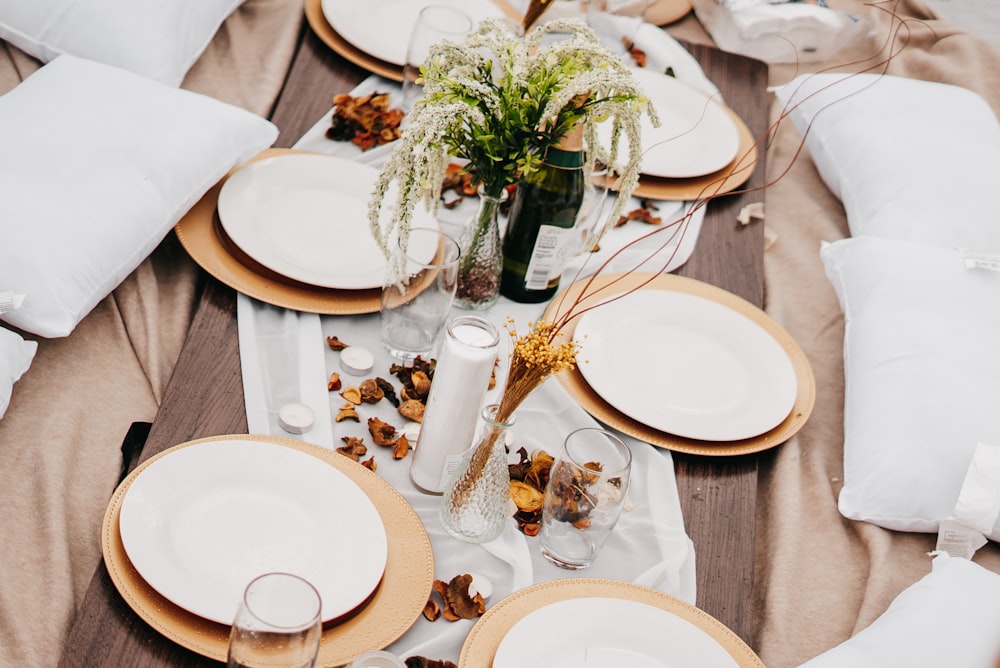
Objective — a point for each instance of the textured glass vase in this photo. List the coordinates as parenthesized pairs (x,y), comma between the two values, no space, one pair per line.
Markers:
(482,259)
(474,506)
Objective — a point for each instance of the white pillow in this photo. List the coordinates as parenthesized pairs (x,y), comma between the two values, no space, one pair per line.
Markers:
(922,376)
(98,165)
(159,39)
(950,617)
(909,159)
(15,358)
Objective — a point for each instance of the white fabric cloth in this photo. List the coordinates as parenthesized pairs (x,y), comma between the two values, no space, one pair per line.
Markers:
(649,546)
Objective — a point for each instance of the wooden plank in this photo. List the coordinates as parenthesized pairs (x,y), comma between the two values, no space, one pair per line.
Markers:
(718,495)
(204,396)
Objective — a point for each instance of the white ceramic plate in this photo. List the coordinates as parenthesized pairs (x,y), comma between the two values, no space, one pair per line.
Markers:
(686,365)
(381,28)
(306,217)
(607,633)
(696,136)
(201,522)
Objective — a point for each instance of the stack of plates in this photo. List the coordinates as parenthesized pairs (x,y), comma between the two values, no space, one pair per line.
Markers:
(187,531)
(597,623)
(685,365)
(291,229)
(700,148)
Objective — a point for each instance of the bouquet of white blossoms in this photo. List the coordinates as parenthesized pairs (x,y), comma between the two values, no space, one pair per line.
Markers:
(498,102)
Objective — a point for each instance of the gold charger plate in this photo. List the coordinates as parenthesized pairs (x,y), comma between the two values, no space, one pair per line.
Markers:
(206,243)
(592,402)
(317,21)
(726,180)
(390,612)
(483,640)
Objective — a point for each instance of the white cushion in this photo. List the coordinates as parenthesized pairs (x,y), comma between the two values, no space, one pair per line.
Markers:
(922,376)
(155,38)
(909,159)
(98,165)
(15,358)
(950,617)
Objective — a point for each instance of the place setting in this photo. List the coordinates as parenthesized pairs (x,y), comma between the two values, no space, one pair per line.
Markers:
(188,531)
(684,365)
(601,624)
(290,229)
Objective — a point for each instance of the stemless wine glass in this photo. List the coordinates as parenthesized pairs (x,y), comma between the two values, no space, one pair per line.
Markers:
(584,497)
(277,624)
(435,23)
(418,292)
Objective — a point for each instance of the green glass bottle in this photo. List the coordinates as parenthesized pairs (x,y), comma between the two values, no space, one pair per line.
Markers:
(540,223)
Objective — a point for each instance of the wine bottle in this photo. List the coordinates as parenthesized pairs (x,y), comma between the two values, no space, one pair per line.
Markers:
(542,216)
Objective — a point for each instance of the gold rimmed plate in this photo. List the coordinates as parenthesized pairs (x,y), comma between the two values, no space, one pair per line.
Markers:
(205,241)
(317,21)
(724,181)
(487,636)
(390,612)
(603,286)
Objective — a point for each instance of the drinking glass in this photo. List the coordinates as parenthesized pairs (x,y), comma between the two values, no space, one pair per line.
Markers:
(277,624)
(584,497)
(616,22)
(435,23)
(592,218)
(417,293)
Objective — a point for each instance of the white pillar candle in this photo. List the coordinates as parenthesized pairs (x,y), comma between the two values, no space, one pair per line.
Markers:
(460,382)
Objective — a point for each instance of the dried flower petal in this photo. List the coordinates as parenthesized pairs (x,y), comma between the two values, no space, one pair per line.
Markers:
(336,344)
(334,383)
(526,497)
(371,393)
(382,432)
(353,447)
(347,412)
(352,394)
(412,409)
(402,447)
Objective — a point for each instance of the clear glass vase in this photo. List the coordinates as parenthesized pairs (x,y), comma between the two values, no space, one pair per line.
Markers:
(474,506)
(482,258)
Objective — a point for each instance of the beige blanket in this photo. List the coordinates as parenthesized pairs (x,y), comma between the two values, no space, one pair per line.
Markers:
(60,439)
(820,578)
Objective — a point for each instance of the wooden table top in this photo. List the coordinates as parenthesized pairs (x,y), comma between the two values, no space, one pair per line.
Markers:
(717,494)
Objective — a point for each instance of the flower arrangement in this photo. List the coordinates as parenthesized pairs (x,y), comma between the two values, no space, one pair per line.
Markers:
(498,102)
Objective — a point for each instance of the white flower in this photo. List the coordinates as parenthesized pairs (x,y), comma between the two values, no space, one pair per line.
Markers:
(499,103)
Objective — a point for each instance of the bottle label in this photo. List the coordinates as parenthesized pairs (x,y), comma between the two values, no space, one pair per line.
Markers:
(547,257)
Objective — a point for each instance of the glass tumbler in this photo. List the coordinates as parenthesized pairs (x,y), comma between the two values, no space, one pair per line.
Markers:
(277,624)
(584,497)
(418,292)
(435,23)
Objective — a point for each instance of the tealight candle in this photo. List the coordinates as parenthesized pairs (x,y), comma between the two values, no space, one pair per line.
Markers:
(295,418)
(356,360)
(460,381)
